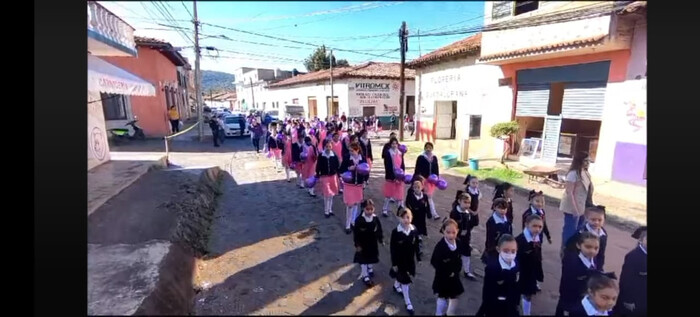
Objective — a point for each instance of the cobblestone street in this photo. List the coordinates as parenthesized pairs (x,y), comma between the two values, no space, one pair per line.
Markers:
(272,252)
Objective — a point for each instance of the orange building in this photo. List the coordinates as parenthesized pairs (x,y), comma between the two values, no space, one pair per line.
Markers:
(159,63)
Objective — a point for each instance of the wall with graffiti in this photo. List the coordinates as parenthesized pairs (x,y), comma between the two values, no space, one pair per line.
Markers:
(623,133)
(98,148)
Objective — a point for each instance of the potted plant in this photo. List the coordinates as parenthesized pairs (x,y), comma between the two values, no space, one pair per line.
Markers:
(504,131)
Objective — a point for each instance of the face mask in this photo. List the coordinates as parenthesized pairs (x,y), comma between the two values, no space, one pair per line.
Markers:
(508,257)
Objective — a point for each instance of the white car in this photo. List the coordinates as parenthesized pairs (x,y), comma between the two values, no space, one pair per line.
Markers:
(236,125)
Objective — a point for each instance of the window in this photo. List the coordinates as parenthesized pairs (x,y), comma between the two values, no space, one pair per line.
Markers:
(501,9)
(525,6)
(114,106)
(474,127)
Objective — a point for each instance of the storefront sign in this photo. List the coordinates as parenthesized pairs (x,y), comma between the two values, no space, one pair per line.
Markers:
(383,95)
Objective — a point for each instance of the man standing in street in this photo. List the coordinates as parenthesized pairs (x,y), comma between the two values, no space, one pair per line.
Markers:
(214,126)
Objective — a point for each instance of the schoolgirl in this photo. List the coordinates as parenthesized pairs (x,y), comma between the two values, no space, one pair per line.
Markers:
(393,185)
(309,166)
(601,296)
(506,191)
(466,221)
(496,226)
(367,235)
(576,269)
(500,296)
(633,279)
(472,190)
(405,246)
(274,146)
(530,260)
(417,202)
(287,153)
(537,208)
(446,260)
(352,194)
(327,171)
(595,219)
(426,165)
(297,148)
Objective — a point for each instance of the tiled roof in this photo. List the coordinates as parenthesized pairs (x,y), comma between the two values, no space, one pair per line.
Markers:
(164,47)
(465,47)
(633,7)
(578,43)
(366,70)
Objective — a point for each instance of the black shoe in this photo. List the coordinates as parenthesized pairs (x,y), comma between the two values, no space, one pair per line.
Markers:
(368,281)
(327,215)
(470,276)
(370,272)
(348,231)
(289,181)
(385,213)
(436,218)
(331,213)
(312,195)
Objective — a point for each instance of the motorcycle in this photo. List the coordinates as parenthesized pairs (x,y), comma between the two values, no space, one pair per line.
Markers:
(122,134)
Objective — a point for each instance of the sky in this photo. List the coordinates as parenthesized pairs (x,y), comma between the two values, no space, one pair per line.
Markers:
(367,28)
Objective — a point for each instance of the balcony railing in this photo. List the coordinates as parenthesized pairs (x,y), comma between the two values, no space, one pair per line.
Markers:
(109,29)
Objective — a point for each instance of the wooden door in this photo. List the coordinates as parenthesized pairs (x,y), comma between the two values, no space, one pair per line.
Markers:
(312,107)
(443,118)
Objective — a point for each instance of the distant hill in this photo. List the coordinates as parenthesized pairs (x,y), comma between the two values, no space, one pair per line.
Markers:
(217,81)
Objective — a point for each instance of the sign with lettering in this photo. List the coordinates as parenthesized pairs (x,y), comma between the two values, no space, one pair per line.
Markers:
(381,94)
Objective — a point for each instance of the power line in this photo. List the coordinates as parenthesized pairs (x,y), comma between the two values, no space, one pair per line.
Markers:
(186,9)
(161,7)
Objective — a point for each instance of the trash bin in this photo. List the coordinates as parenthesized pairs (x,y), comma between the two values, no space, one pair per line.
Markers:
(449,160)
(474,164)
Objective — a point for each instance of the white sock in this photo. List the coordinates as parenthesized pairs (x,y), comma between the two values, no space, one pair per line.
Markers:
(364,270)
(527,305)
(386,205)
(397,284)
(432,207)
(312,190)
(466,263)
(452,307)
(354,213)
(406,298)
(441,307)
(369,267)
(330,204)
(286,172)
(348,216)
(325,205)
(400,203)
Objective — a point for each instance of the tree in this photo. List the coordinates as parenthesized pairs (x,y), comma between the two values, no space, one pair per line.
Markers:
(320,59)
(503,131)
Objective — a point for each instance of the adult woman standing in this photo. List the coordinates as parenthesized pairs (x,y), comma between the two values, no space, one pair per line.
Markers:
(577,195)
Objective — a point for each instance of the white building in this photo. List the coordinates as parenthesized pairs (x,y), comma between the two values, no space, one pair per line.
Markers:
(460,100)
(252,87)
(363,90)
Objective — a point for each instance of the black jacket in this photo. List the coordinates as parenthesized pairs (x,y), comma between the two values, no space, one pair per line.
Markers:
(327,166)
(357,179)
(425,168)
(389,166)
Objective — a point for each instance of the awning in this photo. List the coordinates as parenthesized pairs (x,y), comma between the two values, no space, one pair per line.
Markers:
(107,78)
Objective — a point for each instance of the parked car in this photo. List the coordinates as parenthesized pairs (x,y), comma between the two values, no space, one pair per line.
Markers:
(236,125)
(274,114)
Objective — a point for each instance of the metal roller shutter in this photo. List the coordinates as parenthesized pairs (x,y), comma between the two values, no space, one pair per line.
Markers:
(583,101)
(532,101)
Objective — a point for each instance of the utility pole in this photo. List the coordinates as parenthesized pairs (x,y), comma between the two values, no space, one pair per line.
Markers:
(330,106)
(403,41)
(420,53)
(197,74)
(252,94)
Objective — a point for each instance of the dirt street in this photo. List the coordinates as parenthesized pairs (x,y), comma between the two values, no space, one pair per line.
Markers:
(273,252)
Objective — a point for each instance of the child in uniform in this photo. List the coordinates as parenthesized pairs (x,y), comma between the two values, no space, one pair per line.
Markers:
(633,279)
(367,234)
(417,201)
(393,186)
(426,165)
(405,246)
(297,148)
(274,146)
(507,191)
(352,195)
(309,166)
(466,221)
(472,190)
(530,260)
(496,226)
(338,150)
(595,219)
(601,296)
(576,269)
(287,154)
(500,296)
(327,170)
(537,208)
(447,262)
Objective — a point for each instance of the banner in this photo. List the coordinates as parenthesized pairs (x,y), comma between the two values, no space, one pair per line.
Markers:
(382,95)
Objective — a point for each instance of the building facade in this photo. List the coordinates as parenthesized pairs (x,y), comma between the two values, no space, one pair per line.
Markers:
(460,100)
(370,89)
(252,87)
(159,63)
(577,73)
(107,35)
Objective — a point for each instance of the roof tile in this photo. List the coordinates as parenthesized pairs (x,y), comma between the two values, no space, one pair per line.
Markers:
(468,46)
(366,70)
